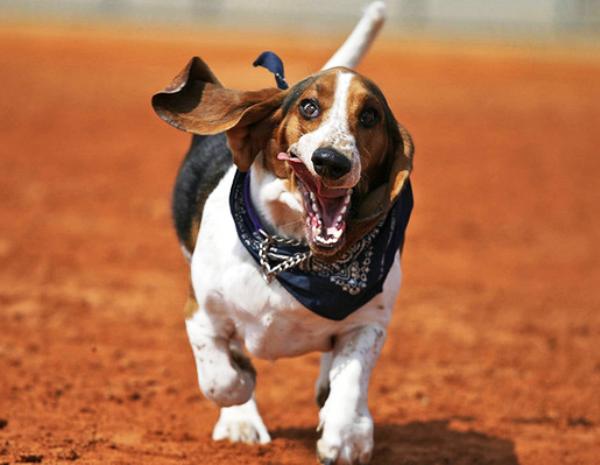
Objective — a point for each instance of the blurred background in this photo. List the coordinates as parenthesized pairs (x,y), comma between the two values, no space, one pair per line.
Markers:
(492,355)
(431,16)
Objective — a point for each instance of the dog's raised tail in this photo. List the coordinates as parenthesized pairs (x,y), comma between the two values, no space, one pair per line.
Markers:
(361,38)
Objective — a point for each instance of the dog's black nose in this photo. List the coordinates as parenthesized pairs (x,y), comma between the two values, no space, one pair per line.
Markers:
(330,163)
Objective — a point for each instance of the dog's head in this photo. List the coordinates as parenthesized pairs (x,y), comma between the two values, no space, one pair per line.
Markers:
(332,138)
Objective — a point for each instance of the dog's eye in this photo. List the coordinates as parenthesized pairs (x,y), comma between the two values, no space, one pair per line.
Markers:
(369,117)
(309,108)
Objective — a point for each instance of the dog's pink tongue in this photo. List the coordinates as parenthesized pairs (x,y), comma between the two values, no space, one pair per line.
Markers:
(284,156)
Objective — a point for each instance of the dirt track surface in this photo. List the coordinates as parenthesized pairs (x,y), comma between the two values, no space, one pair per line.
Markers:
(493,356)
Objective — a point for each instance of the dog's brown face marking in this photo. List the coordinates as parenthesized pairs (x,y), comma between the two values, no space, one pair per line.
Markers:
(317,99)
(367,116)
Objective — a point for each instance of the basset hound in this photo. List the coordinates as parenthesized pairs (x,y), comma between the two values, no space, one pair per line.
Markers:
(291,206)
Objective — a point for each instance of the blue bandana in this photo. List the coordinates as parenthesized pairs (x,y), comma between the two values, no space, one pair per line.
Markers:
(331,290)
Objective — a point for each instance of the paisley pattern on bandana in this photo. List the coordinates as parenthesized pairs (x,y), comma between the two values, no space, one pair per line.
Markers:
(331,290)
(351,270)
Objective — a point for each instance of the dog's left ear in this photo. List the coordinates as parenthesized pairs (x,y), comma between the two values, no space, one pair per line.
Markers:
(196,102)
(399,161)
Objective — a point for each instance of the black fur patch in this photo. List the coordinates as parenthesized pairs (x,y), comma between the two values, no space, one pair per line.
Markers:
(205,164)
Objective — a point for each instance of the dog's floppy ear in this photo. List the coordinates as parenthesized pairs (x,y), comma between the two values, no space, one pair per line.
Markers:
(398,166)
(401,164)
(196,102)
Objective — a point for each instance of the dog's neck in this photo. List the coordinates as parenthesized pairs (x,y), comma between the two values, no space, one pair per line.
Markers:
(279,208)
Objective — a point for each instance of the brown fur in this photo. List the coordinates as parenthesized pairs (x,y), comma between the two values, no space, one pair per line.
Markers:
(193,233)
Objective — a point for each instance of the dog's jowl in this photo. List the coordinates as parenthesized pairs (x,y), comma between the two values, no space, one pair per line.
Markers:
(291,206)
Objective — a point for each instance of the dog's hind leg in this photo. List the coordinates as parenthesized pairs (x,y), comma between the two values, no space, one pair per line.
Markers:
(322,384)
(241,423)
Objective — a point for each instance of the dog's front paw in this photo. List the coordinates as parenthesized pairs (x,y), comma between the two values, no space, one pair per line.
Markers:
(241,423)
(347,439)
(226,386)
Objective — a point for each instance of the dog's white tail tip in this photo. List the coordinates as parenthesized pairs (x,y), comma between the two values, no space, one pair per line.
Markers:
(376,11)
(363,34)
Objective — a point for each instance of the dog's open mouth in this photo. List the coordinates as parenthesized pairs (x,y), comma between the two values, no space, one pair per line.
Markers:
(326,208)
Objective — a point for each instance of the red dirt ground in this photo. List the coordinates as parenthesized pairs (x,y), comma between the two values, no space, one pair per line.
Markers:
(493,355)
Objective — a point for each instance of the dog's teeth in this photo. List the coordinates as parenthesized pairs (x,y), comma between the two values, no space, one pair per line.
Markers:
(313,197)
(343,210)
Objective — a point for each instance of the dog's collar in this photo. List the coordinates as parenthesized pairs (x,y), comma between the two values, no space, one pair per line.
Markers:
(331,290)
(270,257)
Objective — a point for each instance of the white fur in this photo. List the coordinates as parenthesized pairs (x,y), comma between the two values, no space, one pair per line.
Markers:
(333,132)
(275,192)
(361,38)
(236,305)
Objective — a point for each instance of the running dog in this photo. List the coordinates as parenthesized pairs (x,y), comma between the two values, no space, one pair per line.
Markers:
(291,206)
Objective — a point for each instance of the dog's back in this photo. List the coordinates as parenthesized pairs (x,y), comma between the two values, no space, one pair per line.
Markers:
(206,162)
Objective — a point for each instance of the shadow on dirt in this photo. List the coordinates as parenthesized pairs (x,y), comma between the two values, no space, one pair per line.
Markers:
(434,443)
(425,443)
(307,436)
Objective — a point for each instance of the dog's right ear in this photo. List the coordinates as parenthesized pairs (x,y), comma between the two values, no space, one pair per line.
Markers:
(196,102)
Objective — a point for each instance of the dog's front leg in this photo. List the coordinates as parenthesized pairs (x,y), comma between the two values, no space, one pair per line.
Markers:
(241,423)
(226,377)
(345,419)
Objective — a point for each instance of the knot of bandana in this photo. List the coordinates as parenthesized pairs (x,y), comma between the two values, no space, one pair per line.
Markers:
(273,63)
